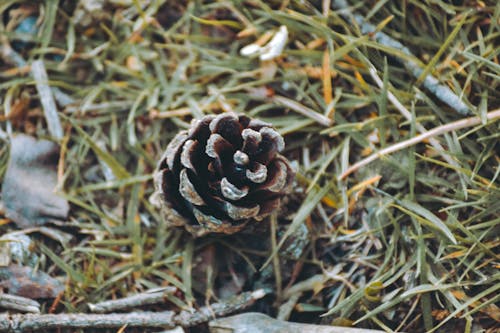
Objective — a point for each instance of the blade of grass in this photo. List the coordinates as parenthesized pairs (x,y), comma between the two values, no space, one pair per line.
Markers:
(426,217)
(62,264)
(303,212)
(465,305)
(48,22)
(118,170)
(442,49)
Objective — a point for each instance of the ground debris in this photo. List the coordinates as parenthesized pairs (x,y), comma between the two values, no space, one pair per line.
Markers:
(260,323)
(29,183)
(165,319)
(26,282)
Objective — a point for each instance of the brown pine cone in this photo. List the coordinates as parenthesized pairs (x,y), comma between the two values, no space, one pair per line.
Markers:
(223,172)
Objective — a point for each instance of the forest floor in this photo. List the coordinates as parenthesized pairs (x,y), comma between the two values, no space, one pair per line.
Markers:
(389,110)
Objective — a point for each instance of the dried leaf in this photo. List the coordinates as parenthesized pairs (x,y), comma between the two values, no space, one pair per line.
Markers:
(17,247)
(26,282)
(258,322)
(29,183)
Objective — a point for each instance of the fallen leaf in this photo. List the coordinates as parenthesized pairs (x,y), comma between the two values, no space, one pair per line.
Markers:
(29,183)
(17,247)
(24,281)
(260,323)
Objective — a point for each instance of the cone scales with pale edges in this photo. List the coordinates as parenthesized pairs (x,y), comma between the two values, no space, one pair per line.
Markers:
(222,173)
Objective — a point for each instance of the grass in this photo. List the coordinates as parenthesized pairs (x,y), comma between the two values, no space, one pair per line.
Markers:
(408,242)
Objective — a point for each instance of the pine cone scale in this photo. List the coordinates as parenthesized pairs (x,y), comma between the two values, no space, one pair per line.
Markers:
(188,191)
(251,140)
(257,173)
(232,192)
(190,154)
(277,179)
(172,153)
(228,127)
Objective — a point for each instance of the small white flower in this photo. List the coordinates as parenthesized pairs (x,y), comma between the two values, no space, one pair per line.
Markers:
(271,50)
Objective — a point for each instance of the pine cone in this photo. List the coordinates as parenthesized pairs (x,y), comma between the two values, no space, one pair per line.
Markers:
(223,172)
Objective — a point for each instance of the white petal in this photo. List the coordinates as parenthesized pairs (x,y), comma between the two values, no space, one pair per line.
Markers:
(275,47)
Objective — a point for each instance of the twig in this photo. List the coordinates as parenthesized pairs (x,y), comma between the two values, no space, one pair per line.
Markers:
(220,309)
(297,107)
(28,322)
(454,126)
(18,303)
(261,93)
(141,299)
(181,112)
(47,99)
(431,83)
(165,319)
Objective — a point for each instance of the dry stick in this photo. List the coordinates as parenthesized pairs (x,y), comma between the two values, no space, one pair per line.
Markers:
(297,107)
(181,112)
(18,303)
(166,319)
(29,322)
(454,126)
(146,298)
(262,94)
(432,84)
(49,105)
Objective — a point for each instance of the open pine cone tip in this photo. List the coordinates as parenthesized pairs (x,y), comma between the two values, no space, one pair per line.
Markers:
(223,172)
